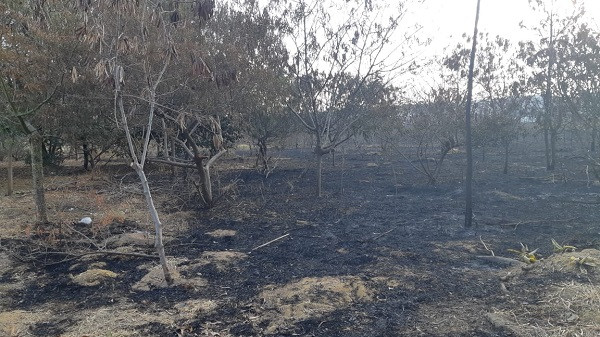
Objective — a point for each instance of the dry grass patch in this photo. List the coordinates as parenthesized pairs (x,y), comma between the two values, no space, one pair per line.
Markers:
(222,233)
(93,277)
(280,307)
(221,259)
(566,304)
(154,278)
(17,322)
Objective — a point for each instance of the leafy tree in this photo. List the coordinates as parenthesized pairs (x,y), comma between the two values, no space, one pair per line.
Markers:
(35,58)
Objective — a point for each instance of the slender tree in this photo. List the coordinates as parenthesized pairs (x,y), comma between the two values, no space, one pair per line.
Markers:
(468,144)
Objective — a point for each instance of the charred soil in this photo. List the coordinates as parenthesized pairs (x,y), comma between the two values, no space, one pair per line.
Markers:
(380,254)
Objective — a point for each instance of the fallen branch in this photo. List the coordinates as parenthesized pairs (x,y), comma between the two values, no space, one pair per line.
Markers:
(103,252)
(382,234)
(486,247)
(270,242)
(516,224)
(499,260)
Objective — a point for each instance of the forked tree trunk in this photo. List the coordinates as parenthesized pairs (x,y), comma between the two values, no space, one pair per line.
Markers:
(205,180)
(37,175)
(138,165)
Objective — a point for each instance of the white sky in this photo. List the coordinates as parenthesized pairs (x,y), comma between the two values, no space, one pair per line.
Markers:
(444,21)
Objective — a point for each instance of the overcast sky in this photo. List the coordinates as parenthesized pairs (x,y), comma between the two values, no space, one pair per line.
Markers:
(446,20)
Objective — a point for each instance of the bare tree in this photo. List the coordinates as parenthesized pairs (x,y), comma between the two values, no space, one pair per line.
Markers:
(468,144)
(333,60)
(137,36)
(542,57)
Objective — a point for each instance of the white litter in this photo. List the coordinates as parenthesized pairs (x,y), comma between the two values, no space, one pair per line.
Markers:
(86,221)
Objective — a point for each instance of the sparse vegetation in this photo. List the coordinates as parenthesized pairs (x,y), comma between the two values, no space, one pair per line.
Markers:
(155,163)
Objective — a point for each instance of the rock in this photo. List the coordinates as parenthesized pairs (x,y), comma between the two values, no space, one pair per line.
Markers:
(86,221)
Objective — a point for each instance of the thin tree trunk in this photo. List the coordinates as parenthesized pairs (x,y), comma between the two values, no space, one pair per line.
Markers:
(319,174)
(262,155)
(10,164)
(86,156)
(468,141)
(506,150)
(548,128)
(547,146)
(37,174)
(206,186)
(483,153)
(553,136)
(333,157)
(594,135)
(138,166)
(158,241)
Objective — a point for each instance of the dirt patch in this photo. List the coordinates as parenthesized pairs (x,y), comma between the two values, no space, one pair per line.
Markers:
(280,307)
(222,233)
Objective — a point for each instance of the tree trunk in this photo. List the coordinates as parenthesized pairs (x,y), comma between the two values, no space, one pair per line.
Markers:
(548,127)
(87,157)
(333,157)
(206,186)
(37,174)
(319,174)
(594,135)
(262,155)
(468,141)
(547,148)
(138,166)
(553,136)
(158,241)
(9,168)
(483,154)
(506,148)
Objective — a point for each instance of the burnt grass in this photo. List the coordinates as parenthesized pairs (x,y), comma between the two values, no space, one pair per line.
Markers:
(373,203)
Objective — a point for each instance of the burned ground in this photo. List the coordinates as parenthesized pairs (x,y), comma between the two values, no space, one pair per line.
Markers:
(380,254)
